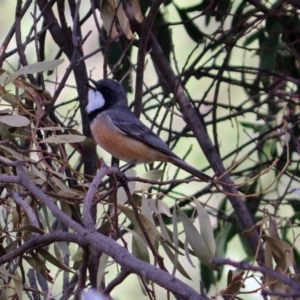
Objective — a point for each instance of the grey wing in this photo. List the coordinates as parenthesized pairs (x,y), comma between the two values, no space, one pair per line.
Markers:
(127,122)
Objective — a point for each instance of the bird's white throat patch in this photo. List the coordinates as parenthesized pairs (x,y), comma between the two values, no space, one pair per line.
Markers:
(95,100)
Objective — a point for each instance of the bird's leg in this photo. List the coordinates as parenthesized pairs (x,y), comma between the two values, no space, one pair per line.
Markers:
(120,176)
(129,165)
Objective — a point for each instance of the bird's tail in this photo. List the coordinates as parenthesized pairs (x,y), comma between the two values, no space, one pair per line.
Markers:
(188,168)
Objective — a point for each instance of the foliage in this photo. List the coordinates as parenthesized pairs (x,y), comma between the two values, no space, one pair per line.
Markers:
(219,78)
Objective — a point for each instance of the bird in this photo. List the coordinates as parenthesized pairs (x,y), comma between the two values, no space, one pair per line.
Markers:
(119,131)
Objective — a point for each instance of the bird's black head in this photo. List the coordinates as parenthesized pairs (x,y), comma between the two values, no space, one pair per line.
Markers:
(104,94)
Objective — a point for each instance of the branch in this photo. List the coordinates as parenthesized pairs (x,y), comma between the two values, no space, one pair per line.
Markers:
(104,244)
(82,272)
(246,266)
(119,279)
(29,211)
(143,269)
(144,37)
(21,49)
(11,33)
(39,194)
(88,199)
(41,241)
(9,179)
(245,218)
(190,115)
(63,37)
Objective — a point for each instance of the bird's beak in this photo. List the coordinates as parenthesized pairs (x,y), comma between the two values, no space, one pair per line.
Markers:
(93,82)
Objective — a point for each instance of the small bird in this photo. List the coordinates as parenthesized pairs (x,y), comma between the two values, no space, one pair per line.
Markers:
(117,130)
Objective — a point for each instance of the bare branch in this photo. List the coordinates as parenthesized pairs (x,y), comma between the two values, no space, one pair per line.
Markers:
(30,213)
(41,241)
(246,266)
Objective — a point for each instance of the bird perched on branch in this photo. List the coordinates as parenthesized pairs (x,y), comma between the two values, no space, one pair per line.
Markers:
(117,130)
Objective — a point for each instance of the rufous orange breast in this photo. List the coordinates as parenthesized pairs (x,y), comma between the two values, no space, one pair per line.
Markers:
(120,145)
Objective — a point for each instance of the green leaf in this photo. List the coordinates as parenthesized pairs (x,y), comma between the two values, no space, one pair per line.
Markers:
(196,241)
(18,286)
(170,236)
(14,120)
(198,7)
(257,127)
(15,154)
(163,34)
(175,239)
(206,228)
(187,252)
(4,295)
(11,246)
(192,30)
(45,216)
(8,97)
(38,265)
(159,206)
(250,38)
(267,150)
(77,255)
(35,68)
(64,247)
(40,174)
(2,251)
(207,276)
(101,269)
(30,228)
(57,253)
(64,190)
(5,274)
(66,209)
(121,194)
(118,60)
(222,9)
(64,139)
(177,265)
(238,17)
(222,240)
(3,73)
(153,175)
(271,44)
(146,210)
(164,229)
(53,260)
(152,231)
(139,247)
(87,142)
(15,217)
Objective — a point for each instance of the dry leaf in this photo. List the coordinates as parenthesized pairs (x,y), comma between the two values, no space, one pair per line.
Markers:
(123,20)
(136,9)
(107,16)
(234,283)
(113,8)
(282,252)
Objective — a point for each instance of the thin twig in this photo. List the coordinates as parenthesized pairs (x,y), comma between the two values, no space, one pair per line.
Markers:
(143,42)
